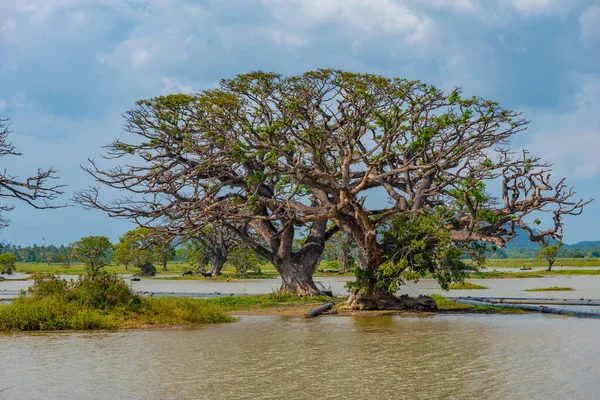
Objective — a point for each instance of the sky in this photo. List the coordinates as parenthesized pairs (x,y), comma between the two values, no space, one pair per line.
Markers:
(69,69)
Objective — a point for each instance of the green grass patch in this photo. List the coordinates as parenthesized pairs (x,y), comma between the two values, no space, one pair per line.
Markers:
(569,272)
(449,305)
(502,275)
(551,289)
(466,286)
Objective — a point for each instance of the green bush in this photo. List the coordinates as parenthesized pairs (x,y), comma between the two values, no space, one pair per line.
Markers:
(45,285)
(101,290)
(7,263)
(100,301)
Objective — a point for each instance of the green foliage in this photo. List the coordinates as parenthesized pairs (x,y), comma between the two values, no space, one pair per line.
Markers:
(549,253)
(37,253)
(419,244)
(7,263)
(141,249)
(415,246)
(101,301)
(100,291)
(194,253)
(244,260)
(94,251)
(330,264)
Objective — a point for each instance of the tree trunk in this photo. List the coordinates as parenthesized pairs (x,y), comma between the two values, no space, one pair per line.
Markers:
(218,261)
(164,264)
(343,261)
(368,296)
(297,277)
(550,264)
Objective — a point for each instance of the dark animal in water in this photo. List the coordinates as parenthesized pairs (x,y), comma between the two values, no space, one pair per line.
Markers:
(188,272)
(206,274)
(135,279)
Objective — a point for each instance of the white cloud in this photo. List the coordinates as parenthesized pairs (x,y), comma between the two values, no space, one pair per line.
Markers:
(589,26)
(459,6)
(172,85)
(528,7)
(8,30)
(284,38)
(571,139)
(359,17)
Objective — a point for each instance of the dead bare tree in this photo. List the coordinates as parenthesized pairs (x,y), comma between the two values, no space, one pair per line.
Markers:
(35,190)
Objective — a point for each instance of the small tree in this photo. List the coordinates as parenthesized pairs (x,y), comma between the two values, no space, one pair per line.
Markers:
(7,263)
(137,248)
(195,254)
(94,251)
(549,254)
(244,260)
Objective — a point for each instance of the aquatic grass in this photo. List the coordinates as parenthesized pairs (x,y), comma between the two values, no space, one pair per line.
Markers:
(551,289)
(466,286)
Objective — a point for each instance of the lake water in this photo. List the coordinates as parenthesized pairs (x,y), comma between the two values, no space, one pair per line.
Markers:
(271,357)
(585,286)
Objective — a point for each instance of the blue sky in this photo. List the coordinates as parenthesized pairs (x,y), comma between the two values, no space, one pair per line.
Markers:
(70,68)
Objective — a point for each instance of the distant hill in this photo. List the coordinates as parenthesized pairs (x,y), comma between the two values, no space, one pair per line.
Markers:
(584,245)
(521,241)
(522,247)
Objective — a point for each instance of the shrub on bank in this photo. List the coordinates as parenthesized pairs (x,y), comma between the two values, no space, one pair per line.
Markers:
(100,301)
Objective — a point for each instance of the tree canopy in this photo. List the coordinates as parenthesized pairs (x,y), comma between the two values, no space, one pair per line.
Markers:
(94,251)
(265,154)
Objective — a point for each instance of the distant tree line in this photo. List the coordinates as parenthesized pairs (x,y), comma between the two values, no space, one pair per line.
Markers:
(565,252)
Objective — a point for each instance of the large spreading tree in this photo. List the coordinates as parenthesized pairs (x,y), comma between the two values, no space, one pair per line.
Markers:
(37,190)
(267,155)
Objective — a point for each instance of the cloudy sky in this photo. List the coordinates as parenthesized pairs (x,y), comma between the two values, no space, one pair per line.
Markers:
(70,68)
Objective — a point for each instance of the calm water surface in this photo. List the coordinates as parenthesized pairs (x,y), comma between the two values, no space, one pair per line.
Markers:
(445,356)
(586,286)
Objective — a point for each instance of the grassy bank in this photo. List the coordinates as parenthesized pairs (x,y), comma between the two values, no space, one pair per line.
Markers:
(447,305)
(105,302)
(100,302)
(268,271)
(551,289)
(466,286)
